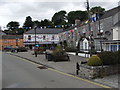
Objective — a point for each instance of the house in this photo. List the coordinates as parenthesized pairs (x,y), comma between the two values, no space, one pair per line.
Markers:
(113,45)
(45,37)
(1,34)
(11,41)
(102,30)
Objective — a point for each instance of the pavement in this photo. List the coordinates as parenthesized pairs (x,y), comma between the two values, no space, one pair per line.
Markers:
(67,66)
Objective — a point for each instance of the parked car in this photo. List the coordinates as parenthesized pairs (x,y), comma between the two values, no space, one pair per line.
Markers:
(7,48)
(22,49)
(14,50)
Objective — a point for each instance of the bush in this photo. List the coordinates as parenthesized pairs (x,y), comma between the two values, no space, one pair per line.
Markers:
(108,58)
(117,56)
(58,51)
(22,49)
(94,61)
(70,49)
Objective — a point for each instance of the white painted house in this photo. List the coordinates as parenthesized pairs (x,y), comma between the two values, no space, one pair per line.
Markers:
(44,37)
(84,44)
(113,45)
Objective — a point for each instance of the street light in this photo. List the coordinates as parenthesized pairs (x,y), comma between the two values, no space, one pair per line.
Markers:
(100,32)
(16,41)
(16,38)
(35,51)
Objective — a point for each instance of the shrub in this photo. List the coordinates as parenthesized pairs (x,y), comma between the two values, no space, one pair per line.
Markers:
(22,49)
(117,56)
(108,58)
(94,61)
(70,49)
(58,51)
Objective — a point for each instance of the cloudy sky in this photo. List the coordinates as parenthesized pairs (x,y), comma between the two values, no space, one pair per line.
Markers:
(18,10)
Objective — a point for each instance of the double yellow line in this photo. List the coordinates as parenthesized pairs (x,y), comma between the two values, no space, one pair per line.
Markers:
(103,86)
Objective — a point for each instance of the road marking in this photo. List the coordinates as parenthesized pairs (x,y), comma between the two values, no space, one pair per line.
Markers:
(104,86)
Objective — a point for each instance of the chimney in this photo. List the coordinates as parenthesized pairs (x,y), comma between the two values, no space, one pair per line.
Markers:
(77,22)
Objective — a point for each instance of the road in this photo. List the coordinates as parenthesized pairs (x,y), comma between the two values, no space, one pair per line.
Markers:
(18,73)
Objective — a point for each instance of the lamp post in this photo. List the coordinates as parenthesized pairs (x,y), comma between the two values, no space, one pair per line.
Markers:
(16,41)
(100,32)
(8,34)
(35,51)
(16,38)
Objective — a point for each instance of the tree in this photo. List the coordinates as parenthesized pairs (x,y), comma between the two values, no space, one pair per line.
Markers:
(73,15)
(28,23)
(59,18)
(97,9)
(37,23)
(13,25)
(46,22)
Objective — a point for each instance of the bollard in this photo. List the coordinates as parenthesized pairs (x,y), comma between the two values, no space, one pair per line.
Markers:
(35,54)
(77,68)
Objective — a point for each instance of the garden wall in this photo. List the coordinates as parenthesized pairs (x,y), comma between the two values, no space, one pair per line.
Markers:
(92,72)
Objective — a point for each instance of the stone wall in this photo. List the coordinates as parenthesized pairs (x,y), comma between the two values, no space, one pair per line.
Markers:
(92,72)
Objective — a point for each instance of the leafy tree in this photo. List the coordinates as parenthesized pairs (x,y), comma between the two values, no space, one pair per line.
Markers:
(21,31)
(59,18)
(97,9)
(73,15)
(28,24)
(37,23)
(46,22)
(13,25)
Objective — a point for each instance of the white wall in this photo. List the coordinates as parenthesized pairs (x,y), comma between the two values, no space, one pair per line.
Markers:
(39,37)
(85,44)
(119,33)
(115,33)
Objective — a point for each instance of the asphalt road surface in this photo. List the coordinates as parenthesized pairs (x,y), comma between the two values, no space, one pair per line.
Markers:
(18,73)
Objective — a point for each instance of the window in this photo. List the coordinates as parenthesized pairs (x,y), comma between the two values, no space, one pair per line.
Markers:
(52,37)
(5,41)
(85,45)
(44,37)
(29,37)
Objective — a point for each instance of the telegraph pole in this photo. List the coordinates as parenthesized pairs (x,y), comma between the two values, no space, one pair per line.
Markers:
(89,26)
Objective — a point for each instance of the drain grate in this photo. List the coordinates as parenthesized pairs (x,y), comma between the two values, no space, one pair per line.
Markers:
(42,67)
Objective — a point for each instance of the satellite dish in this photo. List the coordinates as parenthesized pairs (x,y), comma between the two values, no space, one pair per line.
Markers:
(108,33)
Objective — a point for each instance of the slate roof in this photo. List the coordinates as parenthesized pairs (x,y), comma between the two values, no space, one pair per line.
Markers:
(2,33)
(117,24)
(44,31)
(110,12)
(12,37)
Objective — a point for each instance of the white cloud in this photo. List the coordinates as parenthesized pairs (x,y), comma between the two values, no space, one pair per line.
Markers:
(18,10)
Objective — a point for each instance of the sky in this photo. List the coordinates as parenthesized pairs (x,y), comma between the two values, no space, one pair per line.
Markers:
(18,10)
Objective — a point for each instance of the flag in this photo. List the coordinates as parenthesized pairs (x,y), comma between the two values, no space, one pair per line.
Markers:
(86,21)
(59,26)
(80,24)
(48,26)
(93,19)
(71,31)
(62,26)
